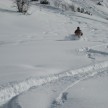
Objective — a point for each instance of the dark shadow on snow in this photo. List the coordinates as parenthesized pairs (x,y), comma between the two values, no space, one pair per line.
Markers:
(7,11)
(11,104)
(97,52)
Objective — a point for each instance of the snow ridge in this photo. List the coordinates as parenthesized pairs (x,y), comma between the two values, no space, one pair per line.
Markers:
(11,90)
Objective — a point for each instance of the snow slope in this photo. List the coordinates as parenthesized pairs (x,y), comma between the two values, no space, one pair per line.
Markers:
(86,6)
(91,93)
(37,52)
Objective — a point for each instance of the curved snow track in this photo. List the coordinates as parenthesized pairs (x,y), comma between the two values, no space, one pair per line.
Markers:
(11,90)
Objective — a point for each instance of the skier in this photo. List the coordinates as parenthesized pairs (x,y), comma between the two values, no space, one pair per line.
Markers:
(78,32)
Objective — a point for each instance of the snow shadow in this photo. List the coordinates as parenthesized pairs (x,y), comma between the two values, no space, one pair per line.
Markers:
(7,11)
(12,103)
(97,52)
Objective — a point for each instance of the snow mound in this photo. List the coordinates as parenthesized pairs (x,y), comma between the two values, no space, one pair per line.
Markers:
(73,37)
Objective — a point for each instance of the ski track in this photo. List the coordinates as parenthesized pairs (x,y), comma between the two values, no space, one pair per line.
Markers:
(94,50)
(63,95)
(87,48)
(11,90)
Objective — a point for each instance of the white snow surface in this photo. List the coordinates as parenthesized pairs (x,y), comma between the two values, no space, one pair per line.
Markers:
(41,61)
